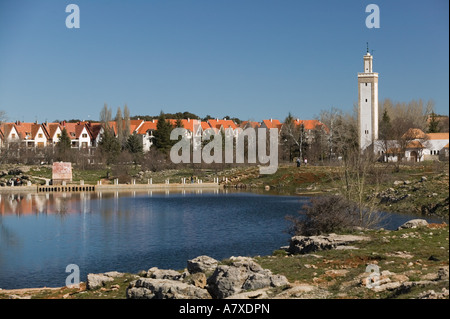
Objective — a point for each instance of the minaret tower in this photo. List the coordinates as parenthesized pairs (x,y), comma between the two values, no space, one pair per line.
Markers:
(367,104)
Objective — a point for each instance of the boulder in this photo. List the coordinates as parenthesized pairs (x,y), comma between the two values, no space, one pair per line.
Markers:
(309,244)
(242,274)
(157,273)
(149,288)
(202,264)
(97,280)
(414,223)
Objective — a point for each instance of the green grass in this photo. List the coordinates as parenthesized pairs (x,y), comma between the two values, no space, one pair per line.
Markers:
(382,250)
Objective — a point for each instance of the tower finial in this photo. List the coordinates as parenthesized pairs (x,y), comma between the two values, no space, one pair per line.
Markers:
(367,43)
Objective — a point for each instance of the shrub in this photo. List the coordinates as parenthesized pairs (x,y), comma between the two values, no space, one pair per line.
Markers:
(325,214)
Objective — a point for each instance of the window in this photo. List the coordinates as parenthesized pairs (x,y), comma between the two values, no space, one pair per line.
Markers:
(366,100)
(58,135)
(40,135)
(13,135)
(84,135)
(365,84)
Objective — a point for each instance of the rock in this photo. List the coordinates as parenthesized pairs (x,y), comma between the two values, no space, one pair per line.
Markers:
(97,280)
(203,264)
(256,294)
(431,294)
(149,288)
(198,280)
(113,274)
(257,281)
(308,244)
(225,281)
(242,274)
(303,291)
(443,273)
(423,179)
(414,223)
(387,286)
(157,273)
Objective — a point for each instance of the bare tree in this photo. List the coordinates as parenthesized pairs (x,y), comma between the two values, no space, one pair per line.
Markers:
(293,135)
(105,116)
(353,183)
(2,116)
(343,132)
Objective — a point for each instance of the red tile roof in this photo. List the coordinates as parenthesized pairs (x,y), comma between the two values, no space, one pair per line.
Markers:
(217,124)
(414,133)
(246,124)
(311,124)
(148,125)
(74,129)
(273,124)
(438,136)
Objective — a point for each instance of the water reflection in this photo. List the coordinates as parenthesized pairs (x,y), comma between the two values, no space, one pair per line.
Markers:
(66,203)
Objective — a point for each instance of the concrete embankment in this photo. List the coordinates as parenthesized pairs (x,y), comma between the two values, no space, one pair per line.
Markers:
(107,187)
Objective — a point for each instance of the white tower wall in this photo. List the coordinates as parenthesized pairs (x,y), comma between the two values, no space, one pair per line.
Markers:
(367,104)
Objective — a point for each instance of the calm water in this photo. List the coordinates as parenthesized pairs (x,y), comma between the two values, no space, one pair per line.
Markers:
(41,234)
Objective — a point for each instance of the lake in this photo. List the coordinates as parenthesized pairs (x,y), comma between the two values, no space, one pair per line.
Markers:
(40,234)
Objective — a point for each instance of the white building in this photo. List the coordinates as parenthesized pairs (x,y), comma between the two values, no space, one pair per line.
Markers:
(367,104)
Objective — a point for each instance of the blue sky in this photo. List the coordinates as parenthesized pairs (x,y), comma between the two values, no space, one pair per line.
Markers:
(252,59)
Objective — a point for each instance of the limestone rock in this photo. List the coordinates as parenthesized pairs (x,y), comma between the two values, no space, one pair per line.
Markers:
(414,223)
(201,264)
(157,273)
(198,280)
(149,288)
(97,280)
(242,274)
(309,244)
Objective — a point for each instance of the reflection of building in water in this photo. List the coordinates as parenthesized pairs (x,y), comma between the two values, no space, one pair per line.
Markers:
(85,202)
(61,203)
(28,204)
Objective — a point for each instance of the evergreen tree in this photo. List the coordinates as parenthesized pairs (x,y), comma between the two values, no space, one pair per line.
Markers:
(63,147)
(162,133)
(134,147)
(385,126)
(109,147)
(119,126)
(433,124)
(179,123)
(126,124)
